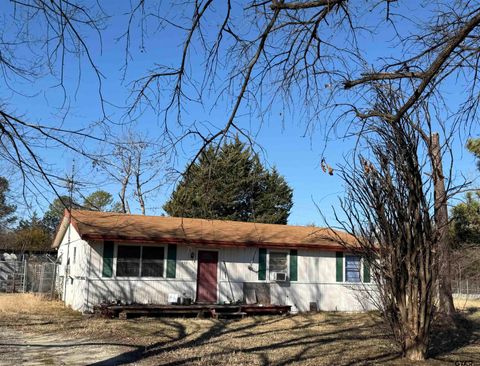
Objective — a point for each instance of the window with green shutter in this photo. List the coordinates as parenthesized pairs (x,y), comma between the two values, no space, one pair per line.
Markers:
(366,271)
(293,265)
(140,261)
(262,264)
(107,269)
(172,261)
(352,268)
(339,266)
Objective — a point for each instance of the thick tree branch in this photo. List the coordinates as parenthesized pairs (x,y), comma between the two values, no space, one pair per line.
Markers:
(439,62)
(367,78)
(303,5)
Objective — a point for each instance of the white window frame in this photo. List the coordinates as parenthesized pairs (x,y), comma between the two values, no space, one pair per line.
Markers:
(287,270)
(345,268)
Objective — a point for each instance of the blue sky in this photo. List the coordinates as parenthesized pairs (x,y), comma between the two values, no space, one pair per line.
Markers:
(282,135)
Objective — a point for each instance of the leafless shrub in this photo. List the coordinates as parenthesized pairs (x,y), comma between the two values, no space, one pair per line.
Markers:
(388,210)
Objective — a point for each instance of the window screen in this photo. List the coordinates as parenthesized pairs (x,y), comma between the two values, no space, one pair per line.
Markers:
(152,261)
(128,260)
(352,268)
(277,262)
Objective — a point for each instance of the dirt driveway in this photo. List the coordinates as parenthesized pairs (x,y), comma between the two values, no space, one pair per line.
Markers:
(38,332)
(20,348)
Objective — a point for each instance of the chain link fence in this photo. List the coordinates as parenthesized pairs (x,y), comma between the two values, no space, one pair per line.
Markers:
(12,276)
(26,276)
(466,287)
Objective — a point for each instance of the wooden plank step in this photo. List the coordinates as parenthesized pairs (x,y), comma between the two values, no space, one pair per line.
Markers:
(228,310)
(238,314)
(205,310)
(128,314)
(266,309)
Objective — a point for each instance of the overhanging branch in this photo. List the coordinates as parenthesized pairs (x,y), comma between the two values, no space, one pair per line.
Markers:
(303,5)
(367,78)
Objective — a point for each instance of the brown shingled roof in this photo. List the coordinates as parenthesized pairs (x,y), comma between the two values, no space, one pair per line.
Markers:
(92,225)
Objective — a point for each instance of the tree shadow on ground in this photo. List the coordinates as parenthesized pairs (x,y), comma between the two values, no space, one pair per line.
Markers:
(330,338)
(300,347)
(144,352)
(448,338)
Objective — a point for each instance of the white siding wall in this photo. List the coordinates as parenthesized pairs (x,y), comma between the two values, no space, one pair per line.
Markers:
(73,277)
(139,290)
(316,279)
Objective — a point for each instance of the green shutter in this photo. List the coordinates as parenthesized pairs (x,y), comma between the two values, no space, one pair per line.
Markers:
(366,271)
(293,265)
(262,264)
(339,276)
(171,260)
(107,269)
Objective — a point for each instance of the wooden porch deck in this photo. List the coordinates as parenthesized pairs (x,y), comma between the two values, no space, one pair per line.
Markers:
(194,310)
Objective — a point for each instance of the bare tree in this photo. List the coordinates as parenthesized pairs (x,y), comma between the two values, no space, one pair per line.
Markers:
(140,166)
(388,211)
(446,48)
(120,169)
(442,224)
(139,170)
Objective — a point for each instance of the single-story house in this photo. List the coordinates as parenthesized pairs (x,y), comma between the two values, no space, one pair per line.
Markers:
(107,257)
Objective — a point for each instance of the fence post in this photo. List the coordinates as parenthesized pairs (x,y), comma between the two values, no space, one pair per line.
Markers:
(54,281)
(42,274)
(25,271)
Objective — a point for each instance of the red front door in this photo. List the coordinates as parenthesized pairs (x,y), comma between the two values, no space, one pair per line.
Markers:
(207,276)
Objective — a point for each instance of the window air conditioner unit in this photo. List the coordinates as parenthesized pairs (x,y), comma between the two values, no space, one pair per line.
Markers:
(280,276)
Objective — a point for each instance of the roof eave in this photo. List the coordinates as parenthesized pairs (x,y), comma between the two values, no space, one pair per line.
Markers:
(61,229)
(327,245)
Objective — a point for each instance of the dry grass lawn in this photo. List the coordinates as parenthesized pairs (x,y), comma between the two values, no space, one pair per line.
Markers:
(66,337)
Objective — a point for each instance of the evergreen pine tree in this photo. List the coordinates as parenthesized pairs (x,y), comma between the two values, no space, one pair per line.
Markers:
(230,183)
(7,210)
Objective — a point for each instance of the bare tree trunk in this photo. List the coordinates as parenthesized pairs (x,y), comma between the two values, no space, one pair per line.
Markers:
(126,171)
(416,349)
(139,192)
(140,197)
(122,194)
(446,305)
